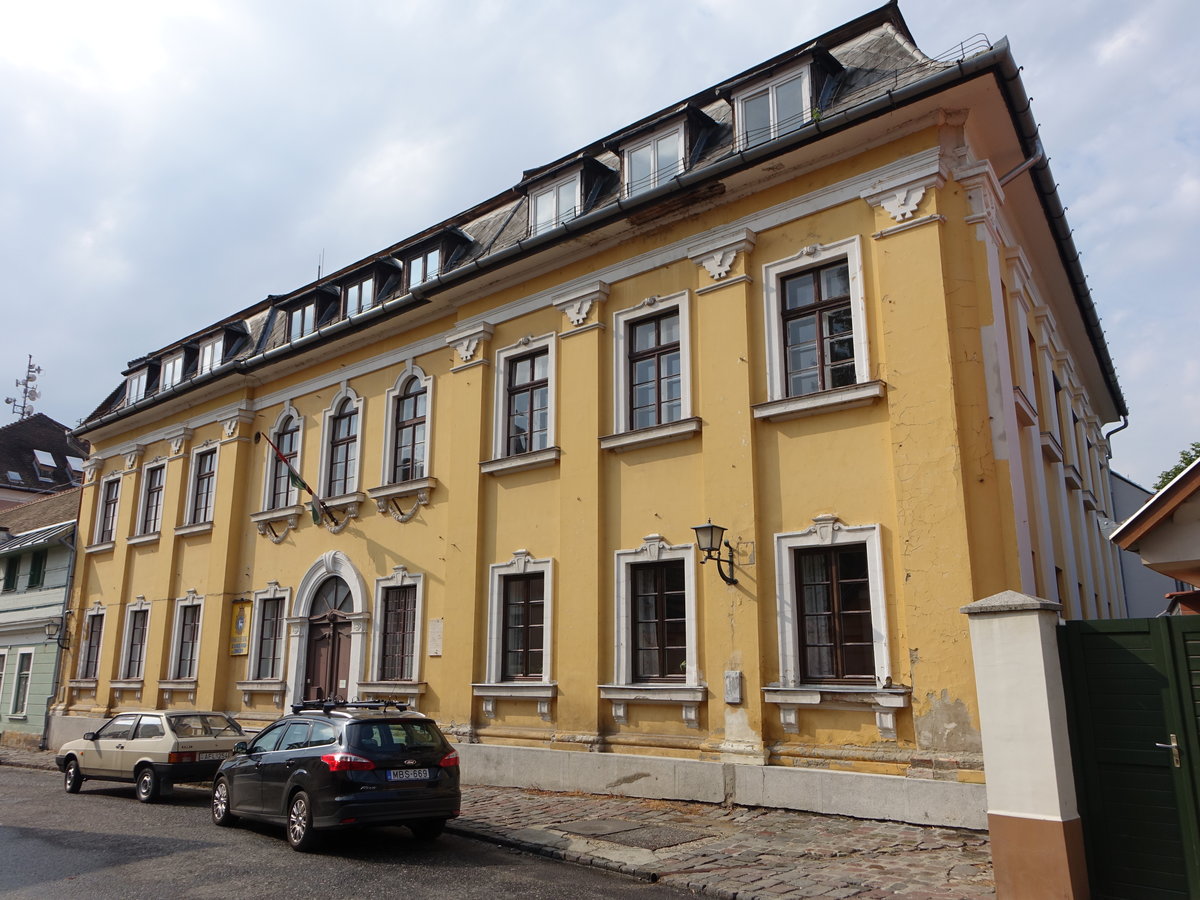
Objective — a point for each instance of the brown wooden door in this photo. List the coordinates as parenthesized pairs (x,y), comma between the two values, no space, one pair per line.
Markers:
(327,662)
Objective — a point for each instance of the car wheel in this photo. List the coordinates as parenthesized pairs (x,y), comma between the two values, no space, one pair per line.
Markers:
(220,805)
(72,777)
(300,833)
(147,784)
(427,829)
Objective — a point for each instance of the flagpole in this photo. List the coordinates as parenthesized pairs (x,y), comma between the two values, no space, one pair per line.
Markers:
(298,481)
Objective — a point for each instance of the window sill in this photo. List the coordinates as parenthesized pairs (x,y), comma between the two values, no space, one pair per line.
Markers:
(882,701)
(126,684)
(82,683)
(649,437)
(151,538)
(198,528)
(541,691)
(397,688)
(274,686)
(535,459)
(178,686)
(265,521)
(102,547)
(17,717)
(688,696)
(387,497)
(849,397)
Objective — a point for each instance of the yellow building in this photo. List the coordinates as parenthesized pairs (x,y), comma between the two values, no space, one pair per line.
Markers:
(830,304)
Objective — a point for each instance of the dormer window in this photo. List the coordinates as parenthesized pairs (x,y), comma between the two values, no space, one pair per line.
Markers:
(302,320)
(135,386)
(210,354)
(554,204)
(767,111)
(44,465)
(359,296)
(654,161)
(171,372)
(424,266)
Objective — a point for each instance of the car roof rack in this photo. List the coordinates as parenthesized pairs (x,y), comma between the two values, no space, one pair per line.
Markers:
(328,706)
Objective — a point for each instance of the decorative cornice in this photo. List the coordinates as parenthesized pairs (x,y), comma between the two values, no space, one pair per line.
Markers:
(466,341)
(576,305)
(717,256)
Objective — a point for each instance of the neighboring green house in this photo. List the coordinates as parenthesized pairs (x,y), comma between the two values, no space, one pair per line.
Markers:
(37,549)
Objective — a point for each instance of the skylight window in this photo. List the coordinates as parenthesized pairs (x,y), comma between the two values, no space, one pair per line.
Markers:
(15,477)
(45,465)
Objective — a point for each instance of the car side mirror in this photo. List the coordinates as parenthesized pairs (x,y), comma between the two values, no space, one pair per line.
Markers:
(239,748)
(89,735)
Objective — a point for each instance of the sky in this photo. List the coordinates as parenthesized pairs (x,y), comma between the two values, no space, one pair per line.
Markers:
(163,165)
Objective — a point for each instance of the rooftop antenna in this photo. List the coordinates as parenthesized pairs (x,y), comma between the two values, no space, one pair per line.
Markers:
(22,406)
(320,263)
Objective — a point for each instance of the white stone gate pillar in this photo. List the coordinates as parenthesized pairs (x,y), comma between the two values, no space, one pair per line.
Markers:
(1036,835)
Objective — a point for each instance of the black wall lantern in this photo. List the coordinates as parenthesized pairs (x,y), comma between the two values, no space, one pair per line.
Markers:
(709,538)
(56,630)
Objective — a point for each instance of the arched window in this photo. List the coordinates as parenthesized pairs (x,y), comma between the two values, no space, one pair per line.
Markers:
(287,440)
(409,450)
(332,596)
(343,449)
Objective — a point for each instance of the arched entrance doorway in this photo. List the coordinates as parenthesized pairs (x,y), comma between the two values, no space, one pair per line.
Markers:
(327,666)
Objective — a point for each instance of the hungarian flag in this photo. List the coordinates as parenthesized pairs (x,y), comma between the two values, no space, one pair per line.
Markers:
(318,508)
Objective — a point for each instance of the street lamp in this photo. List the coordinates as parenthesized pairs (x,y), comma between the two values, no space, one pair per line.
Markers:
(709,538)
(55,631)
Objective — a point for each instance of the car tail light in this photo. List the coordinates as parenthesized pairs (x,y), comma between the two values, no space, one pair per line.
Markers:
(346,762)
(450,759)
(181,757)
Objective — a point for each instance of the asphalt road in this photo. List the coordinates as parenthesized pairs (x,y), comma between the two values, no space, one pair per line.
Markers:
(102,843)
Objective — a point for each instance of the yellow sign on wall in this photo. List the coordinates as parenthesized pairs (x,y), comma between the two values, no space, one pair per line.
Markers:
(239,630)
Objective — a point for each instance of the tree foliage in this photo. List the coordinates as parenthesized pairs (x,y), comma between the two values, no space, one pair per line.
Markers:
(1186,458)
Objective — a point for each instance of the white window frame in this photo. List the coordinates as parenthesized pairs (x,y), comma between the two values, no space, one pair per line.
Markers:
(815,256)
(135,386)
(522,563)
(504,358)
(410,373)
(85,643)
(171,372)
(828,532)
(272,592)
(399,578)
(211,352)
(623,320)
(193,476)
(352,483)
(270,458)
(651,141)
(552,189)
(23,711)
(142,605)
(143,496)
(98,529)
(771,89)
(182,603)
(3,670)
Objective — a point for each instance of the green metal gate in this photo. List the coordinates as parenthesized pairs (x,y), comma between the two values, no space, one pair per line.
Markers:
(1133,699)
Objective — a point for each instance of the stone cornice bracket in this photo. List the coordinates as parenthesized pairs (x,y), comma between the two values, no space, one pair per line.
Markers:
(390,506)
(178,436)
(466,341)
(717,256)
(576,305)
(520,561)
(91,468)
(230,425)
(265,523)
(134,456)
(900,200)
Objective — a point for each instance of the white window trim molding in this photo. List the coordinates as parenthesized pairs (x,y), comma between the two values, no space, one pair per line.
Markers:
(344,392)
(400,577)
(147,536)
(504,356)
(288,411)
(649,140)
(624,690)
(552,187)
(97,542)
(522,563)
(191,599)
(810,257)
(140,604)
(804,73)
(84,644)
(193,474)
(271,592)
(332,562)
(22,713)
(411,372)
(622,320)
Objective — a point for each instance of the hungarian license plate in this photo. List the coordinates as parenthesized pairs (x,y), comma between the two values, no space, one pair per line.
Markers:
(408,775)
(211,755)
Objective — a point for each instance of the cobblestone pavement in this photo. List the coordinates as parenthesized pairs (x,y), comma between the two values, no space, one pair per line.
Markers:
(738,853)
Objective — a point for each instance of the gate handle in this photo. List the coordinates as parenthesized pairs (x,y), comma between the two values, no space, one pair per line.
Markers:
(1174,748)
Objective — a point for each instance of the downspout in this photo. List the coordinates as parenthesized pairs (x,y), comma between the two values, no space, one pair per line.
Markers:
(1107,438)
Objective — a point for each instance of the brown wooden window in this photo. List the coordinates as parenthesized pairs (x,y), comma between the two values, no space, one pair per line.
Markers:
(834,602)
(524,617)
(360,296)
(409,451)
(659,621)
(203,486)
(343,449)
(110,495)
(655,386)
(269,638)
(153,500)
(287,439)
(135,656)
(399,633)
(91,653)
(528,416)
(818,330)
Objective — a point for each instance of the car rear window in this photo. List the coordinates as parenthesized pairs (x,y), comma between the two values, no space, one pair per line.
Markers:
(387,736)
(203,726)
